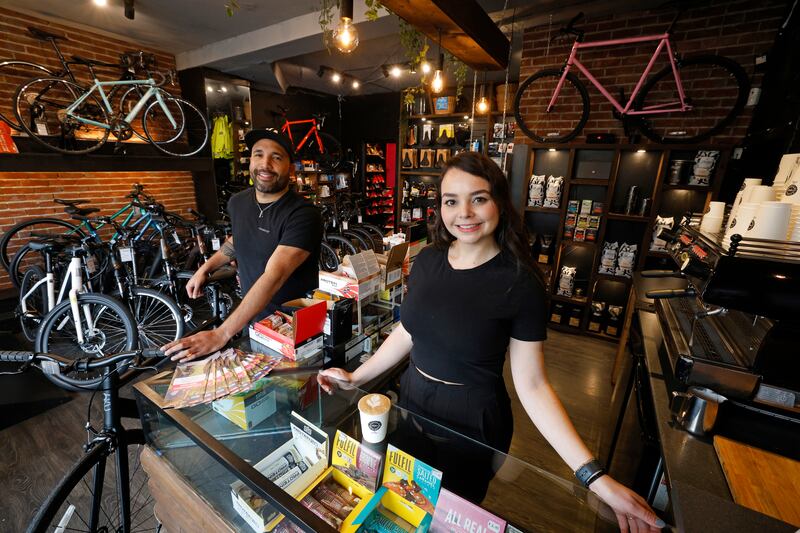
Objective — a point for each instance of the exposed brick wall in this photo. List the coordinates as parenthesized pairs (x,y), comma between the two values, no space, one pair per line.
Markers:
(738,29)
(28,195)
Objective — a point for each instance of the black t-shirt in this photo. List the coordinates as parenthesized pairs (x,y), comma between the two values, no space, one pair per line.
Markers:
(461,320)
(289,221)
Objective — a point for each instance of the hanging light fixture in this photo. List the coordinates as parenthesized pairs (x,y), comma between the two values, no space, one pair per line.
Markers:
(483,102)
(437,83)
(345,36)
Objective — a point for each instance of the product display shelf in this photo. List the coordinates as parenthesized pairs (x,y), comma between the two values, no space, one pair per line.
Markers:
(626,165)
(379,204)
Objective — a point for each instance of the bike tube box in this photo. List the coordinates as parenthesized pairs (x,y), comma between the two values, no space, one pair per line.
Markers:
(357,277)
(308,321)
(391,265)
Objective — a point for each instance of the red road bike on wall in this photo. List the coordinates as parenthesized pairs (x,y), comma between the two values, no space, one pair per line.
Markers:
(688,100)
(313,144)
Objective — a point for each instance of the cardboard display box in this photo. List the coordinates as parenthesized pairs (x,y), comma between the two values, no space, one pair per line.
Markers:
(357,277)
(308,322)
(250,408)
(391,265)
(312,444)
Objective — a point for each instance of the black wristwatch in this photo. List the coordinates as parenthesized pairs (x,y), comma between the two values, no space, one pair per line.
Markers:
(589,472)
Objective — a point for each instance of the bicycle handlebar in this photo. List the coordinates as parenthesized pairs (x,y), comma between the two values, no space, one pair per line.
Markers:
(83,365)
(569,29)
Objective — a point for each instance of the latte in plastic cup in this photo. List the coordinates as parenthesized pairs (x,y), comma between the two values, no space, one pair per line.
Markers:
(374,411)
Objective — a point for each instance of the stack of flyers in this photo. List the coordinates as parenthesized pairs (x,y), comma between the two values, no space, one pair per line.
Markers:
(223,373)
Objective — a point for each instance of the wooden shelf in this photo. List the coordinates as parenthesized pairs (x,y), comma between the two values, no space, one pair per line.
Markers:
(601,335)
(629,218)
(610,277)
(564,327)
(584,244)
(454,115)
(551,210)
(589,181)
(657,253)
(433,171)
(704,188)
(576,301)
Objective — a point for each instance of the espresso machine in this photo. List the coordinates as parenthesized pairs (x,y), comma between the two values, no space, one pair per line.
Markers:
(735,328)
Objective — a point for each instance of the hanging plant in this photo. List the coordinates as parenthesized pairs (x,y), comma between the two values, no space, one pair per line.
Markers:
(231,6)
(373,8)
(459,71)
(327,17)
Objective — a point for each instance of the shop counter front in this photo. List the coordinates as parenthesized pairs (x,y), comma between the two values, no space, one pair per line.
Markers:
(208,473)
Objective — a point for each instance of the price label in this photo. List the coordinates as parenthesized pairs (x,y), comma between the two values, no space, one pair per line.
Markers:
(215,244)
(126,254)
(345,225)
(91,264)
(360,219)
(41,128)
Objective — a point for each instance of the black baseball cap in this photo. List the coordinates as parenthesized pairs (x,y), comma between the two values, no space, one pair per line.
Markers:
(253,136)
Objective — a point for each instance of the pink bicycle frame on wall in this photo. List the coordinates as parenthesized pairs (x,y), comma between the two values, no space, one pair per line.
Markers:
(668,107)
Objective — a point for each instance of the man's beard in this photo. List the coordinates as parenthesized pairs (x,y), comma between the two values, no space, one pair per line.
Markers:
(277,185)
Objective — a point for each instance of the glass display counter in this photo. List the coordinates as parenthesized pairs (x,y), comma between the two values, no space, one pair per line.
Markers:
(197,455)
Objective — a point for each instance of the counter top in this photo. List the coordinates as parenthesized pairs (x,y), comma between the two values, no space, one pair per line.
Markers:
(701,500)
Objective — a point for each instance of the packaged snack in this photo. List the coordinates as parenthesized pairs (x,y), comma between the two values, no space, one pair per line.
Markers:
(608,260)
(569,232)
(311,503)
(594,222)
(626,260)
(614,318)
(591,235)
(596,316)
(582,221)
(597,208)
(566,282)
(331,501)
(586,207)
(536,191)
(580,234)
(552,196)
(572,206)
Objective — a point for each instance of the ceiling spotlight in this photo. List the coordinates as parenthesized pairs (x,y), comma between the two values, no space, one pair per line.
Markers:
(426,67)
(209,89)
(356,84)
(345,36)
(336,77)
(396,71)
(101,3)
(466,117)
(641,151)
(224,89)
(551,149)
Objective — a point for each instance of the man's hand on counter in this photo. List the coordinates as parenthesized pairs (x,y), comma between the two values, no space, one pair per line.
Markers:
(633,513)
(197,345)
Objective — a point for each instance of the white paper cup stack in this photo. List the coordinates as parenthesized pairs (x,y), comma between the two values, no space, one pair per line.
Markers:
(744,193)
(761,193)
(739,222)
(771,221)
(712,220)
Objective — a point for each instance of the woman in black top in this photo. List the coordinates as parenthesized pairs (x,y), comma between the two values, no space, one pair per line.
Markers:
(472,296)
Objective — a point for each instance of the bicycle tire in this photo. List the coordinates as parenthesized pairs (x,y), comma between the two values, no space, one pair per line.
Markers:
(11,72)
(531,102)
(328,259)
(720,96)
(24,259)
(374,234)
(358,240)
(341,245)
(331,155)
(36,302)
(154,334)
(55,336)
(13,233)
(198,311)
(75,488)
(140,91)
(60,95)
(194,127)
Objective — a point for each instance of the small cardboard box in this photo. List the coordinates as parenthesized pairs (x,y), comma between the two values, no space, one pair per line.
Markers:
(357,277)
(308,321)
(357,489)
(312,444)
(391,265)
(248,409)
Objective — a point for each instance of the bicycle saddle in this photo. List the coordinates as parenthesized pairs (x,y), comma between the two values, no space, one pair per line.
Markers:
(319,116)
(51,242)
(81,212)
(44,35)
(64,201)
(93,63)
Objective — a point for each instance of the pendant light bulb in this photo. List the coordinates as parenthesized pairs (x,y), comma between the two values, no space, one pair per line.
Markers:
(437,84)
(426,67)
(345,36)
(483,105)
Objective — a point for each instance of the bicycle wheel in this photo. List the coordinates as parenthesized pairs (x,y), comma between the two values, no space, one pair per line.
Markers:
(716,88)
(565,120)
(88,497)
(358,240)
(341,245)
(40,106)
(20,233)
(330,156)
(328,260)
(24,260)
(36,302)
(158,318)
(196,312)
(14,74)
(187,137)
(108,328)
(130,98)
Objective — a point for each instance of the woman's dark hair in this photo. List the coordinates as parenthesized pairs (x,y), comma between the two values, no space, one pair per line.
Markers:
(511,234)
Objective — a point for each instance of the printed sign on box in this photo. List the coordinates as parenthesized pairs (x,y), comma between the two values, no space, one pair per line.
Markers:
(358,462)
(455,514)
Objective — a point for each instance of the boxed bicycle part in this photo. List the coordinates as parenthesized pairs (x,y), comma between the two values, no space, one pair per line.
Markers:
(304,339)
(338,322)
(250,408)
(294,467)
(391,265)
(357,277)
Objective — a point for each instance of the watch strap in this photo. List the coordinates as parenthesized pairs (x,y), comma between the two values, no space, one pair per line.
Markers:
(589,472)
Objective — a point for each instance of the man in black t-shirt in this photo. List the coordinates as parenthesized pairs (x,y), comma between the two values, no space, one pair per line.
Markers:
(277,239)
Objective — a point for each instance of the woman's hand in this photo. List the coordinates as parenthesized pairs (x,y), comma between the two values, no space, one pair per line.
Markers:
(333,378)
(633,513)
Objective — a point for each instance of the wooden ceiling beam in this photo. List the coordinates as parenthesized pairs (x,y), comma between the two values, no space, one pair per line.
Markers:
(466,29)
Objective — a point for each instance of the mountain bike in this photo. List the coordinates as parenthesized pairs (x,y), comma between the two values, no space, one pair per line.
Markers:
(314,144)
(687,101)
(50,112)
(100,492)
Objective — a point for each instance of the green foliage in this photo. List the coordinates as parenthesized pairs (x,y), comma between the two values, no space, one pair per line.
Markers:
(327,17)
(373,7)
(459,70)
(231,6)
